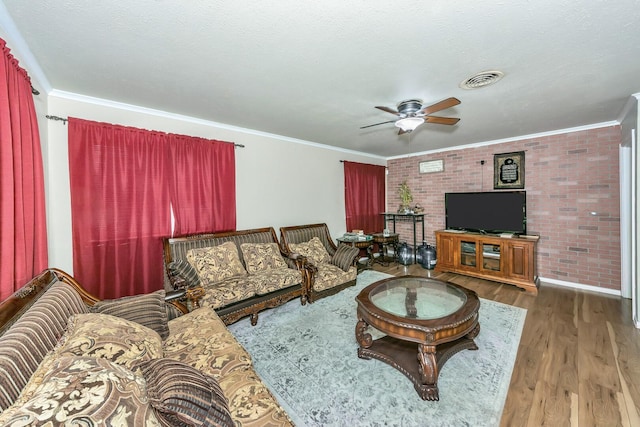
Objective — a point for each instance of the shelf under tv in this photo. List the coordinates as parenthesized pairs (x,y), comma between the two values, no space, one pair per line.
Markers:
(513,263)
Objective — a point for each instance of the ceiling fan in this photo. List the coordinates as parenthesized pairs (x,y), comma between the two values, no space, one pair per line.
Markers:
(412,114)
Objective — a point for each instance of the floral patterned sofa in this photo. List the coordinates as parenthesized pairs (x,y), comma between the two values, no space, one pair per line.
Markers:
(242,272)
(331,268)
(68,359)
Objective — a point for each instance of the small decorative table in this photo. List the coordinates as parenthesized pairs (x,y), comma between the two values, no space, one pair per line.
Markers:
(384,241)
(361,242)
(426,321)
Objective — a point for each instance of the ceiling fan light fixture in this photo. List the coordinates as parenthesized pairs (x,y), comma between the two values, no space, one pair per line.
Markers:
(408,124)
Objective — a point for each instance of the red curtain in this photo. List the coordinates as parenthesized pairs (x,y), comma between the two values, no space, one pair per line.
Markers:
(120,207)
(364,194)
(124,184)
(23,232)
(202,185)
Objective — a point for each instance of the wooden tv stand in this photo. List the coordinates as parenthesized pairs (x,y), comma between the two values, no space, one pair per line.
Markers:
(509,260)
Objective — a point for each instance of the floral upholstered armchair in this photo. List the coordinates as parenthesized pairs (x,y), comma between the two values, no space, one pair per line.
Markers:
(333,268)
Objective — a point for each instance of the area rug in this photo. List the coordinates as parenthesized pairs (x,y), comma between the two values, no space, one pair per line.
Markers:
(307,356)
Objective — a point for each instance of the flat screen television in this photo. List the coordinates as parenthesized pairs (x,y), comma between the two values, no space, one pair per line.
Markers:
(487,212)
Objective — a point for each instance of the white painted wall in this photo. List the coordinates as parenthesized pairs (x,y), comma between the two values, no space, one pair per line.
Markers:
(279,181)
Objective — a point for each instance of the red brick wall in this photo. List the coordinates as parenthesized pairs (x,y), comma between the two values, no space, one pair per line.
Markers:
(567,177)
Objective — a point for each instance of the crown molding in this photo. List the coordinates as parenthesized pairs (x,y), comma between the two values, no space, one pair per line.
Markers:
(511,139)
(164,114)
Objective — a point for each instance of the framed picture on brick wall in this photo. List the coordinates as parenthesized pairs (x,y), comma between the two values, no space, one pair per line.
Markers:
(508,170)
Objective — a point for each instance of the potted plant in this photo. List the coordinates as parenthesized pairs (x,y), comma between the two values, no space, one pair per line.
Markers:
(406,198)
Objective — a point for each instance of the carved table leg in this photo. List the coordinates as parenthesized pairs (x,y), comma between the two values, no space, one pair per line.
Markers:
(364,339)
(428,372)
(474,333)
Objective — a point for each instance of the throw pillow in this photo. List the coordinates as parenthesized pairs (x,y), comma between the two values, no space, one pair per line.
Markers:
(119,340)
(314,250)
(216,263)
(183,396)
(262,256)
(344,256)
(211,347)
(182,269)
(84,391)
(148,310)
(33,335)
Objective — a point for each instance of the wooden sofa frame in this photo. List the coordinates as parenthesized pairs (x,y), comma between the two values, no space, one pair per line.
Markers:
(19,302)
(176,248)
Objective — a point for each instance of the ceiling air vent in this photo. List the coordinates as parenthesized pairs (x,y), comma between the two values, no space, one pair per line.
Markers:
(482,79)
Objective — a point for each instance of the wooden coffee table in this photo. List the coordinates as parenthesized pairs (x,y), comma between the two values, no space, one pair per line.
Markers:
(426,321)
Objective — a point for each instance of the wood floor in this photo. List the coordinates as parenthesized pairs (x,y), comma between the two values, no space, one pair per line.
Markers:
(578,363)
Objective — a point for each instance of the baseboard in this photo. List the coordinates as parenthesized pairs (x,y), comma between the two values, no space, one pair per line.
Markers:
(581,286)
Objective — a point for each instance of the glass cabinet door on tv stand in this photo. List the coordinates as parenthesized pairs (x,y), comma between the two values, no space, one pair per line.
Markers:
(468,253)
(483,255)
(490,256)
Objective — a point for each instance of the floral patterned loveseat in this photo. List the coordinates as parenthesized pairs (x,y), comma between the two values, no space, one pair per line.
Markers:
(331,268)
(242,272)
(67,358)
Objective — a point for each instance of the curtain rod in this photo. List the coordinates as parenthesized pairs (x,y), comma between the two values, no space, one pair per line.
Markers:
(342,161)
(64,122)
(56,118)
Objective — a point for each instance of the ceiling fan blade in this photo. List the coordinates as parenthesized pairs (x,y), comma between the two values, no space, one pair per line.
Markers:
(368,126)
(442,105)
(441,120)
(388,110)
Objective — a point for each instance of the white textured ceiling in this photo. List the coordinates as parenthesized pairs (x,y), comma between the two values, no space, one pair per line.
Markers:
(314,70)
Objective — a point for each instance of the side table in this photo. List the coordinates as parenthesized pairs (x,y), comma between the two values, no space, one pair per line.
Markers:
(384,241)
(366,244)
(414,219)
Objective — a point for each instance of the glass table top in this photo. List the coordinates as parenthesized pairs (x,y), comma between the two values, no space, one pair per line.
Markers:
(417,298)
